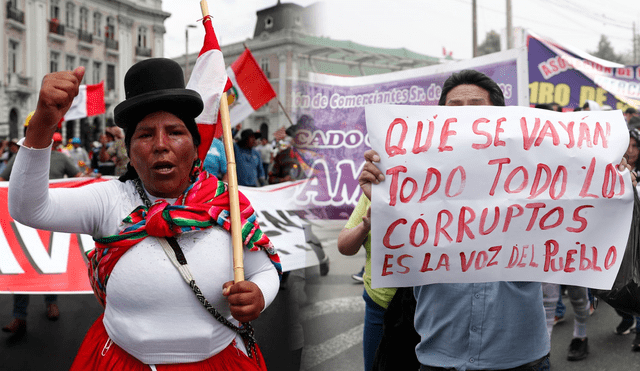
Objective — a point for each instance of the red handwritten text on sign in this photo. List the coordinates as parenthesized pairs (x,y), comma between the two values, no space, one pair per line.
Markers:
(475,194)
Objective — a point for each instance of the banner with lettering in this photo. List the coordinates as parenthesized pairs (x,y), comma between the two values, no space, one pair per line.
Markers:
(36,261)
(481,194)
(569,77)
(339,136)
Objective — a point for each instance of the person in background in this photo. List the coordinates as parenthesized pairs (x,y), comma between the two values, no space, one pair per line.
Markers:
(626,324)
(266,153)
(216,160)
(79,155)
(248,162)
(104,162)
(9,149)
(118,151)
(591,105)
(554,308)
(634,122)
(629,113)
(357,233)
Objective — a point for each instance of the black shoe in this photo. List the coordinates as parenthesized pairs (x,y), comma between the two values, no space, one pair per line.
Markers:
(625,326)
(635,346)
(359,276)
(324,266)
(17,327)
(578,349)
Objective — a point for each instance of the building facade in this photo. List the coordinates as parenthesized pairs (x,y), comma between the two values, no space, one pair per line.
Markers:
(287,47)
(43,36)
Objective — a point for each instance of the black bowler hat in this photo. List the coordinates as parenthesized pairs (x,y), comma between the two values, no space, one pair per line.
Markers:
(156,84)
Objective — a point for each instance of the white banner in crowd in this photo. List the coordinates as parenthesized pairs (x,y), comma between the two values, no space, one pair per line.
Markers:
(284,222)
(482,194)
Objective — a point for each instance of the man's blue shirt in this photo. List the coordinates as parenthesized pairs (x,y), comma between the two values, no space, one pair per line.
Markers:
(475,326)
(249,166)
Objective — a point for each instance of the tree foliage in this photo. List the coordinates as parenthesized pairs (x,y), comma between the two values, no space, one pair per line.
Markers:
(491,43)
(605,51)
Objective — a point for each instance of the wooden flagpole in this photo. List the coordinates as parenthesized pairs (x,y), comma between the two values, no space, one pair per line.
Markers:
(234,199)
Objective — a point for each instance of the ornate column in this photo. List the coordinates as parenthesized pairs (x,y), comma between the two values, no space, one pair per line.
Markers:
(158,41)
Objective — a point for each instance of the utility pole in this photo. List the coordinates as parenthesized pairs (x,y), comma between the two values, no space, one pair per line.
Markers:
(509,26)
(186,51)
(474,16)
(635,45)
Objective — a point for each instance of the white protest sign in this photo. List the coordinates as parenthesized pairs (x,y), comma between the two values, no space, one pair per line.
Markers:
(482,194)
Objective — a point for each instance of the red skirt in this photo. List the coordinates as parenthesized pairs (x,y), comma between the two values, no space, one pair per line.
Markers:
(98,352)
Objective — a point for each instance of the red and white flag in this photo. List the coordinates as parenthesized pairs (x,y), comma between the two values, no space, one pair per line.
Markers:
(250,86)
(209,79)
(88,102)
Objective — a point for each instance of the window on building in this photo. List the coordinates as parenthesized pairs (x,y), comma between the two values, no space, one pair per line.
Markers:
(97,72)
(70,15)
(268,22)
(85,63)
(13,4)
(142,37)
(70,63)
(54,62)
(97,24)
(111,77)
(84,19)
(14,54)
(264,64)
(54,9)
(111,28)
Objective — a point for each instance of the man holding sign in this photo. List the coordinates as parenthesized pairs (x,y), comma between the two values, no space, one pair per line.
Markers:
(481,321)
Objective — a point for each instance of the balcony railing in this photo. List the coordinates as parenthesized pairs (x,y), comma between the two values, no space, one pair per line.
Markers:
(55,27)
(15,14)
(143,52)
(18,83)
(85,36)
(111,44)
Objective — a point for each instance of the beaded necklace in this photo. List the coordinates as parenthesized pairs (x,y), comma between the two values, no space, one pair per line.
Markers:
(175,254)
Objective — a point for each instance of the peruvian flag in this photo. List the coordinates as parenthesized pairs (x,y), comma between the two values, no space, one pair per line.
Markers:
(88,102)
(250,86)
(209,79)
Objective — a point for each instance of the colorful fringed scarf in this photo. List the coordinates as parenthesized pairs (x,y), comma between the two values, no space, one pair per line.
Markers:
(204,204)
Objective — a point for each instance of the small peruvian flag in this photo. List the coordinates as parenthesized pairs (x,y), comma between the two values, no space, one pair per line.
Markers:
(250,85)
(88,102)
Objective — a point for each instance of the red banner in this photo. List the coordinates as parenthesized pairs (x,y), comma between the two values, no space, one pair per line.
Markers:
(35,261)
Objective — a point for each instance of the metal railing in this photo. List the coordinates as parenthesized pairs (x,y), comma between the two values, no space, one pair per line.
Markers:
(17,82)
(15,14)
(56,28)
(143,52)
(111,44)
(85,36)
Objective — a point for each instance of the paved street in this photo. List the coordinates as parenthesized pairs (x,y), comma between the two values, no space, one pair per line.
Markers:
(332,315)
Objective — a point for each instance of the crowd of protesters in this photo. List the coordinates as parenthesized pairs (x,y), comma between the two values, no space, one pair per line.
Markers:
(527,311)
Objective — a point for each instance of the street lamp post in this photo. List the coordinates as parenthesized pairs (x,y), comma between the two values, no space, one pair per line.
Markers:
(186,52)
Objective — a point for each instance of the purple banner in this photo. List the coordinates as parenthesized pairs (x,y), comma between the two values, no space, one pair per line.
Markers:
(570,78)
(339,139)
